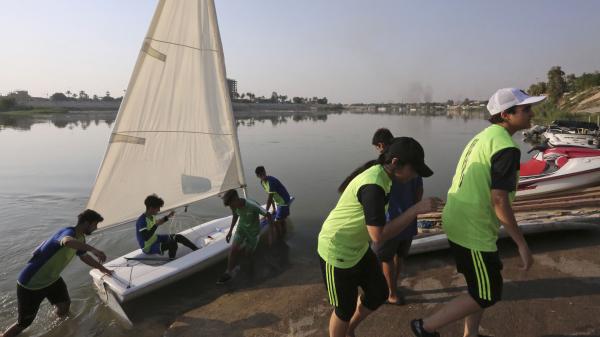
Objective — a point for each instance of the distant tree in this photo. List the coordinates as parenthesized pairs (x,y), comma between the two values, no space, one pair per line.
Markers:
(556,84)
(59,97)
(322,100)
(570,79)
(298,100)
(7,103)
(243,96)
(450,102)
(466,101)
(83,96)
(74,96)
(274,97)
(95,98)
(107,97)
(586,81)
(68,93)
(537,89)
(282,98)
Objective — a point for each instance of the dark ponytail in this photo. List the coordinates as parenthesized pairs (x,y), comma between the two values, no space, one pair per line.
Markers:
(359,170)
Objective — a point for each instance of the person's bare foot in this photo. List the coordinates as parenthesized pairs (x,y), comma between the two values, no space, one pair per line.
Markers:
(397,300)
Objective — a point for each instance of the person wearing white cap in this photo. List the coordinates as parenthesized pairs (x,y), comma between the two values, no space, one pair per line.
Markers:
(479,202)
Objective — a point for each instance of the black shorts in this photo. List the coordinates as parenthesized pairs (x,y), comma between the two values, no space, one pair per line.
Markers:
(29,300)
(342,285)
(388,249)
(482,271)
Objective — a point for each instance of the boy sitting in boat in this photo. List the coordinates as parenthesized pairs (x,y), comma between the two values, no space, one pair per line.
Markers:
(146,226)
(246,236)
(278,197)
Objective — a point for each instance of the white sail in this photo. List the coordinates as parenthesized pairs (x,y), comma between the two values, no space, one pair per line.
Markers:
(174,134)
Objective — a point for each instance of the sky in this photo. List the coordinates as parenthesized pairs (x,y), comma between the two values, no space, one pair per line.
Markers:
(349,51)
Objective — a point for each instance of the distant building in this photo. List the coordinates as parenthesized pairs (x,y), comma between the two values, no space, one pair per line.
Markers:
(20,95)
(232,84)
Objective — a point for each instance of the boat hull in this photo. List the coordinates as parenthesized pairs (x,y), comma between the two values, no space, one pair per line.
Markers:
(136,274)
(576,173)
(572,139)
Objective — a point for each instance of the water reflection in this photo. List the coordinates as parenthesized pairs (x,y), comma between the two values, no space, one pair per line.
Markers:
(83,119)
(67,120)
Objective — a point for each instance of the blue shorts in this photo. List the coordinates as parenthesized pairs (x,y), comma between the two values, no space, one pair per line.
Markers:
(282,212)
(160,245)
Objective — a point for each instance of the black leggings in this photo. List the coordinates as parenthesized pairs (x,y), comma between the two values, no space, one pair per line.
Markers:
(171,245)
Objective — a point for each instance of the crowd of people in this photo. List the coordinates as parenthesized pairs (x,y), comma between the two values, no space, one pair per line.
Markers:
(363,241)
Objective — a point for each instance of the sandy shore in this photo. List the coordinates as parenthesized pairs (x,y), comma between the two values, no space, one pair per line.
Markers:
(560,296)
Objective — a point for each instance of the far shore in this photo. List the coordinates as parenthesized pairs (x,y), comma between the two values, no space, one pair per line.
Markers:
(241,110)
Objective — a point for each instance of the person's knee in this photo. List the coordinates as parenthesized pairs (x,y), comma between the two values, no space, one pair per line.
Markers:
(344,314)
(488,299)
(375,298)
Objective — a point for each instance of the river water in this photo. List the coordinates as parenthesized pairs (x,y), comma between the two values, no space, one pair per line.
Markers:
(48,167)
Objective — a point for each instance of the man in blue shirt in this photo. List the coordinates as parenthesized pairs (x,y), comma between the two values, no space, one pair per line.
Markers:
(41,279)
(392,253)
(278,197)
(146,226)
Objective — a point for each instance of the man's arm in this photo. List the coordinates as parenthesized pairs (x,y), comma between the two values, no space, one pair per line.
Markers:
(419,192)
(270,202)
(505,214)
(90,261)
(372,198)
(505,164)
(399,223)
(164,219)
(148,232)
(234,219)
(72,243)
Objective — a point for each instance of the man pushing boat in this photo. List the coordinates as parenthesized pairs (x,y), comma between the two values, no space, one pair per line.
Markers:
(40,279)
(245,240)
(278,197)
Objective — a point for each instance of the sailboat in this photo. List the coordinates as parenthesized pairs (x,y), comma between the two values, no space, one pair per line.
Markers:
(174,135)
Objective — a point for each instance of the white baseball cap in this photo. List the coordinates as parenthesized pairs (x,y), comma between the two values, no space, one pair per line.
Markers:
(508,97)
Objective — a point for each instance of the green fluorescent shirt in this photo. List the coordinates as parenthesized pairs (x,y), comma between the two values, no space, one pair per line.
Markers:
(344,238)
(469,219)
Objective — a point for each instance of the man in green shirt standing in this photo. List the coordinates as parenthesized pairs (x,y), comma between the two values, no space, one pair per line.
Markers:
(479,202)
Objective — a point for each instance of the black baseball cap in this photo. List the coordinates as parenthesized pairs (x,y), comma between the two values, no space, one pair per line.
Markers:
(409,151)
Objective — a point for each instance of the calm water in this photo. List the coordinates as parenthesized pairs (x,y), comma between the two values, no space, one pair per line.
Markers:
(48,168)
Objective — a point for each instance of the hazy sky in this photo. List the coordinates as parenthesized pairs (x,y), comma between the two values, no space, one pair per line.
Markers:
(347,50)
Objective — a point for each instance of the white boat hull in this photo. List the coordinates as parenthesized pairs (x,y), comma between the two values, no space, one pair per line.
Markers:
(133,278)
(571,139)
(576,173)
(136,274)
(440,241)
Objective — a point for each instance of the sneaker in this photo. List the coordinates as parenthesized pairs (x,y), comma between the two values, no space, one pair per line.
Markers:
(416,325)
(224,279)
